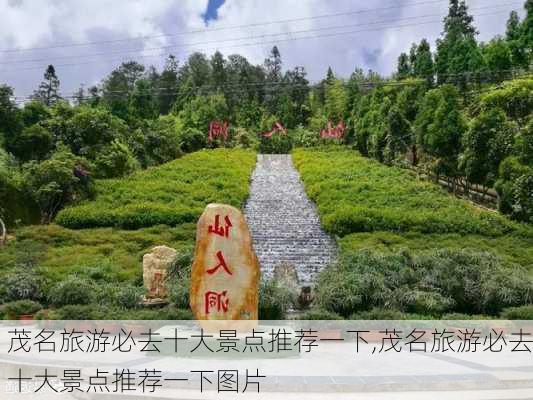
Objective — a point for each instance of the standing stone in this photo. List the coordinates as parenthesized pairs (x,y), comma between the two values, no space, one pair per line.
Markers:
(155,271)
(225,271)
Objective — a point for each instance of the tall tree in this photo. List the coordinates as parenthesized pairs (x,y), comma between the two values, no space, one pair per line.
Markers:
(10,121)
(218,70)
(423,66)
(168,85)
(404,67)
(48,91)
(273,65)
(513,37)
(458,58)
(118,86)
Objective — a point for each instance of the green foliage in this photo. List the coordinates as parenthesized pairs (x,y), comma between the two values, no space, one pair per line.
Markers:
(33,143)
(179,281)
(172,194)
(523,313)
(515,189)
(278,143)
(22,285)
(354,194)
(53,183)
(200,111)
(487,142)
(440,126)
(116,160)
(274,300)
(21,307)
(514,97)
(71,291)
(430,283)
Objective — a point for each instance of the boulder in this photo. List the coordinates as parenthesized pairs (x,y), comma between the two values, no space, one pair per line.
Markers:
(156,266)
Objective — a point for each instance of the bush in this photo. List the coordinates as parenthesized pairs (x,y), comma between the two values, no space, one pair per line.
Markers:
(22,285)
(77,313)
(71,291)
(21,307)
(432,283)
(180,278)
(274,300)
(518,313)
(353,194)
(115,160)
(278,143)
(171,194)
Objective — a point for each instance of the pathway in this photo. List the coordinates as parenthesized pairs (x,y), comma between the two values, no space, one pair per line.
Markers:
(283,221)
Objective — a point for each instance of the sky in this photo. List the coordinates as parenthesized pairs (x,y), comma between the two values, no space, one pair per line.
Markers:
(87,39)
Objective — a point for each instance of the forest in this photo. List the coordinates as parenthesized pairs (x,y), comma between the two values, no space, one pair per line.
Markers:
(460,110)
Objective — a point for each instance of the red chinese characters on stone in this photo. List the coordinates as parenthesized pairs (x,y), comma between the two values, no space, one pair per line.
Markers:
(221,264)
(276,128)
(218,128)
(217,301)
(336,132)
(218,229)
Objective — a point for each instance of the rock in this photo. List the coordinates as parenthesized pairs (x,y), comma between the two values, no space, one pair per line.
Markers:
(286,275)
(155,271)
(225,272)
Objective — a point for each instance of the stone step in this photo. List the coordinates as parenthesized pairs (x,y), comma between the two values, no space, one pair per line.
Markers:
(283,221)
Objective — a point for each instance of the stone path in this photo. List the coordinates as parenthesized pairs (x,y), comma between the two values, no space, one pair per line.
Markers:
(284,223)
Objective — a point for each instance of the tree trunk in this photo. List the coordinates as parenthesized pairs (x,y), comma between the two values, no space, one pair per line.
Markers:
(3,233)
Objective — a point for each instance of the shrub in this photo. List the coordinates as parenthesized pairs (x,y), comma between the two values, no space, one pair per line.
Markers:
(274,300)
(276,144)
(115,160)
(171,194)
(180,278)
(22,285)
(432,283)
(77,312)
(21,307)
(518,313)
(129,296)
(381,314)
(353,194)
(71,291)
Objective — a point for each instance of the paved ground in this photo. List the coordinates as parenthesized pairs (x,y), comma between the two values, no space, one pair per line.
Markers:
(284,223)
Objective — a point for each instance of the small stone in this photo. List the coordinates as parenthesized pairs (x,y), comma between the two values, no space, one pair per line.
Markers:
(155,271)
(225,271)
(286,275)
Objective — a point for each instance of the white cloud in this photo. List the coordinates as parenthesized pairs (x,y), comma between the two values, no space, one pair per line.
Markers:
(43,23)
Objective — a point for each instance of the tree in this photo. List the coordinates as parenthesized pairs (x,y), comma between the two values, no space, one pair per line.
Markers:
(218,70)
(336,101)
(118,86)
(458,58)
(527,33)
(487,142)
(143,102)
(48,92)
(513,37)
(10,119)
(439,128)
(423,66)
(272,80)
(168,85)
(404,67)
(398,134)
(199,112)
(56,182)
(33,143)
(115,160)
(498,59)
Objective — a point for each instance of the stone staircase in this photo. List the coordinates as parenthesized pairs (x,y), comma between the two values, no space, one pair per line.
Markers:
(283,221)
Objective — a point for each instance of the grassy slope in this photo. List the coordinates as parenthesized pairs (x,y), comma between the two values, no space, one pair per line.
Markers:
(369,205)
(183,186)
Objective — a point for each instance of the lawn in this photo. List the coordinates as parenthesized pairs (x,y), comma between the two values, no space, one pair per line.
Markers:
(368,205)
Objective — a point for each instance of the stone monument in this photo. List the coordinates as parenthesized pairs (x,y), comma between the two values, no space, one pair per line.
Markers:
(225,271)
(155,273)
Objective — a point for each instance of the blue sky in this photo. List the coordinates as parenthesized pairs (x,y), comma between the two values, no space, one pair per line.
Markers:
(86,40)
(211,11)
